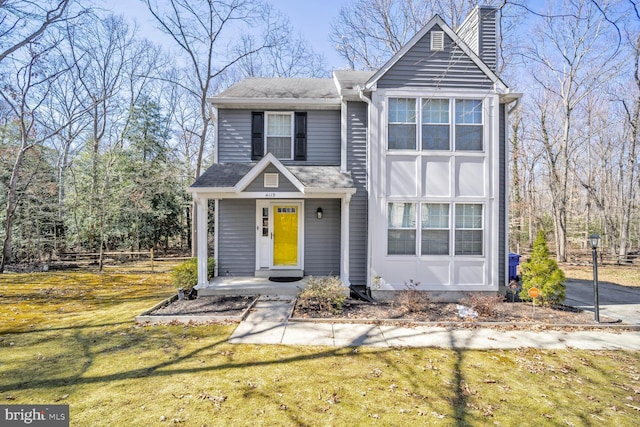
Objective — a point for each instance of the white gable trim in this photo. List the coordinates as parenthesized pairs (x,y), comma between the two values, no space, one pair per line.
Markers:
(500,86)
(268,159)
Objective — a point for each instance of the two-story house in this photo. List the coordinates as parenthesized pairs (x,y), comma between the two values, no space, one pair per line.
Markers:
(378,177)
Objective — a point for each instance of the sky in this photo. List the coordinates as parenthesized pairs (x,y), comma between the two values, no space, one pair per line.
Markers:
(311,18)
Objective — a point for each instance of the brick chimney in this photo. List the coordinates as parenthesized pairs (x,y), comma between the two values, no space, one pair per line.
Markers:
(480,32)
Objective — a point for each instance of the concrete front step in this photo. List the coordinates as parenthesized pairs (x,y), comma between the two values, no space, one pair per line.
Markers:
(250,286)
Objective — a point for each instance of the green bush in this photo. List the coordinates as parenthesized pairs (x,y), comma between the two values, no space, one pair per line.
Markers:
(324,293)
(542,272)
(185,275)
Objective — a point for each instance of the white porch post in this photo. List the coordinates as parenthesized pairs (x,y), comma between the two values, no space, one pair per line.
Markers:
(203,212)
(344,239)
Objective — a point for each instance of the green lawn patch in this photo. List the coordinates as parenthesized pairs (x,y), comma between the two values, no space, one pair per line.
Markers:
(69,337)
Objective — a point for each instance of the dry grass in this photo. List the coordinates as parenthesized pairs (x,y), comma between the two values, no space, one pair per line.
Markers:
(69,337)
(616,274)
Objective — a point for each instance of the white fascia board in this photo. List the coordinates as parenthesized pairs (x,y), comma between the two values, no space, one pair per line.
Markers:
(329,192)
(201,191)
(312,103)
(509,97)
(268,159)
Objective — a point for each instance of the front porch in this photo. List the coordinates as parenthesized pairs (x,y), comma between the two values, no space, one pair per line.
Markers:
(232,285)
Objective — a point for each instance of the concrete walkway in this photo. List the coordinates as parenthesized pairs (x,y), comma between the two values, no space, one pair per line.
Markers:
(269,323)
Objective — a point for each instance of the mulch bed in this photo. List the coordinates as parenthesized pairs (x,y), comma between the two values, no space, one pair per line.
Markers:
(206,306)
(518,312)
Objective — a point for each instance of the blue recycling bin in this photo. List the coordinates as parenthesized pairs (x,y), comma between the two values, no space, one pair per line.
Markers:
(514,262)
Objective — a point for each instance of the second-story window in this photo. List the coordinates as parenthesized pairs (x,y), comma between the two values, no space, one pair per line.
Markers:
(469,125)
(435,124)
(402,123)
(279,135)
(439,124)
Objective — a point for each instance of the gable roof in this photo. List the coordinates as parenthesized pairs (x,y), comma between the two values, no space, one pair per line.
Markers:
(437,21)
(236,177)
(267,160)
(279,91)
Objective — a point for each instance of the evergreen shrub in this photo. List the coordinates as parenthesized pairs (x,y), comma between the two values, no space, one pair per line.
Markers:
(542,272)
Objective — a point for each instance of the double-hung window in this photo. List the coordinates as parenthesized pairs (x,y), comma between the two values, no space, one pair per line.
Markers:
(435,124)
(432,123)
(468,135)
(435,229)
(279,135)
(401,237)
(402,124)
(469,229)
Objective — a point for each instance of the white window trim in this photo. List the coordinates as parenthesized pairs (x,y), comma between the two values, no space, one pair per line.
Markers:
(483,228)
(452,124)
(266,134)
(414,123)
(451,229)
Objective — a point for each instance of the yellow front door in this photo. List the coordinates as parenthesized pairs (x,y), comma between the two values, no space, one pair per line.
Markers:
(285,236)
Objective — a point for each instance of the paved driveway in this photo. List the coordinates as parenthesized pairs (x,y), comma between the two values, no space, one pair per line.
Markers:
(615,301)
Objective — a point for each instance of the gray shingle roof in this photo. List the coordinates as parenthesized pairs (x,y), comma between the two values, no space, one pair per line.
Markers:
(227,175)
(282,88)
(349,79)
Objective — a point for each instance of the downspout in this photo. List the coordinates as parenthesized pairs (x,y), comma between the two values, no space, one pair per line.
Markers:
(511,109)
(516,103)
(365,99)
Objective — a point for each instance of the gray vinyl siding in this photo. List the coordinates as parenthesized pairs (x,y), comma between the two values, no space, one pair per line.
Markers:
(234,136)
(502,201)
(284,185)
(323,137)
(358,212)
(420,67)
(322,237)
(480,34)
(488,38)
(236,237)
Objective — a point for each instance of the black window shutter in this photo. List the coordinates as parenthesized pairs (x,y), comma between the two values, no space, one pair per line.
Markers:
(257,138)
(300,143)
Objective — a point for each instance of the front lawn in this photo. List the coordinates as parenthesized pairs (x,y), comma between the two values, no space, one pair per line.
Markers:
(69,337)
(624,275)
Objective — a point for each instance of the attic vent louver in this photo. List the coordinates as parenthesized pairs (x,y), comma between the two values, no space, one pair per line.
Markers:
(270,180)
(437,40)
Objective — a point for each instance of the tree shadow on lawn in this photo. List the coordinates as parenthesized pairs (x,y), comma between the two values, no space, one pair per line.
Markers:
(88,346)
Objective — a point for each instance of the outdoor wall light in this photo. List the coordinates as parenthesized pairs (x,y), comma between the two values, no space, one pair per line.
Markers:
(594,239)
(319,213)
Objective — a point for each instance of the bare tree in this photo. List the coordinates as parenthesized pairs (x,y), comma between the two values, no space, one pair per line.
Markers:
(26,59)
(567,62)
(101,51)
(200,29)
(24,21)
(31,83)
(367,33)
(290,57)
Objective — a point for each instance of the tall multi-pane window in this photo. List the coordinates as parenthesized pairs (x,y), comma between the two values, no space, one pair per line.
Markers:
(279,131)
(435,124)
(468,135)
(401,232)
(435,229)
(402,123)
(468,236)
